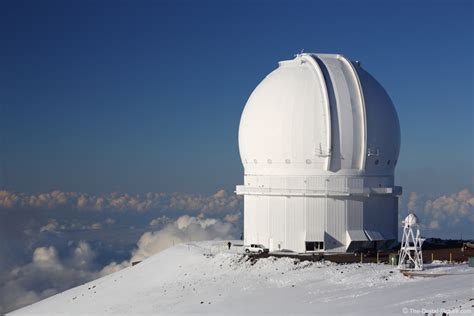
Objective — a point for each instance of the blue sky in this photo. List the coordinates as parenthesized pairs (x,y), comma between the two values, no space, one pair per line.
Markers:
(115,96)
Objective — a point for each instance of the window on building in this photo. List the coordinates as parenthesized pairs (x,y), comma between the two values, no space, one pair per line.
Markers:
(314,245)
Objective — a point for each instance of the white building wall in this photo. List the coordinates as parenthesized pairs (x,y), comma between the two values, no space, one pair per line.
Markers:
(380,215)
(335,238)
(316,218)
(263,224)
(286,223)
(296,223)
(250,220)
(355,215)
(277,206)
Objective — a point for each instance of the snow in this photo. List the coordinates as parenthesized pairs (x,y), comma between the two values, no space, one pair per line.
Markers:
(206,278)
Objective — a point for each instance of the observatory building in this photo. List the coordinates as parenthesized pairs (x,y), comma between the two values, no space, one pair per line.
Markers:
(319,140)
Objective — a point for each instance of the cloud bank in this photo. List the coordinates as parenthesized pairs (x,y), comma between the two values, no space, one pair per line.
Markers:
(184,229)
(445,211)
(218,202)
(48,273)
(450,209)
(49,268)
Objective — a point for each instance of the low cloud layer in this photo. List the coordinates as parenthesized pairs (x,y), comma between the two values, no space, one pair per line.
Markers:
(41,247)
(47,273)
(40,237)
(55,227)
(184,229)
(218,202)
(450,209)
(443,212)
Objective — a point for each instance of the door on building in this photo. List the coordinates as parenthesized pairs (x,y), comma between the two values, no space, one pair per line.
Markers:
(314,246)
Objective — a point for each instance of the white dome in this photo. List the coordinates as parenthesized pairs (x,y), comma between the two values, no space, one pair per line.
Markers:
(411,220)
(319,114)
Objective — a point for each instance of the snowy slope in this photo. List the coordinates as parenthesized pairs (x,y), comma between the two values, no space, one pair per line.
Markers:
(204,278)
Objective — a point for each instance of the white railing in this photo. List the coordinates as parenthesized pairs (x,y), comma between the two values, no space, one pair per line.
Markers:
(348,188)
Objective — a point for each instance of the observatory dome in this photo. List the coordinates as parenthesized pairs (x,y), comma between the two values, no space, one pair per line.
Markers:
(319,139)
(319,114)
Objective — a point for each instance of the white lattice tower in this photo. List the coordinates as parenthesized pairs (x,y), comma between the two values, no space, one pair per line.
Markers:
(410,256)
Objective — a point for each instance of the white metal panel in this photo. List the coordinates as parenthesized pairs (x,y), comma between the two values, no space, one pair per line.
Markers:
(278,182)
(355,215)
(382,126)
(250,220)
(346,106)
(316,182)
(263,223)
(295,223)
(380,214)
(335,238)
(296,183)
(315,218)
(374,235)
(355,185)
(264,182)
(326,145)
(360,119)
(277,208)
(382,181)
(337,184)
(357,235)
(284,119)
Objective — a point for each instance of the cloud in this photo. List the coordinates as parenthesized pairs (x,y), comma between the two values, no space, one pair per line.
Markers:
(450,209)
(92,226)
(184,229)
(233,218)
(47,275)
(218,202)
(50,227)
(444,211)
(53,226)
(109,221)
(433,224)
(40,249)
(114,267)
(49,269)
(159,221)
(8,199)
(413,202)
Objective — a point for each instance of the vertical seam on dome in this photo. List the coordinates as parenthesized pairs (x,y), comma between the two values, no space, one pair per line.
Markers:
(364,114)
(334,110)
(311,59)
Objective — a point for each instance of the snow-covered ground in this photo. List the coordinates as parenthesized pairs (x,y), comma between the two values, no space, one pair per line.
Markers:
(206,278)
